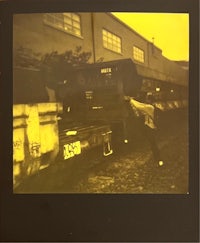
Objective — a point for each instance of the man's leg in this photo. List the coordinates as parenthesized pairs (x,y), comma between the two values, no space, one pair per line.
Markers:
(150,134)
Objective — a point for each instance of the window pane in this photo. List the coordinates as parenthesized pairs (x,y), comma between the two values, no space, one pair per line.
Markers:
(104,32)
(67,15)
(104,38)
(77,25)
(111,41)
(77,32)
(67,21)
(75,17)
(138,54)
(109,35)
(58,23)
(105,44)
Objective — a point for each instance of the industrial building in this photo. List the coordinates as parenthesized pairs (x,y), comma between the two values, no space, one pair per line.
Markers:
(102,34)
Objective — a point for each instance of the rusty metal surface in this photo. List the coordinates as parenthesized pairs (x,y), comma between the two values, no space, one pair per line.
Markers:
(31,137)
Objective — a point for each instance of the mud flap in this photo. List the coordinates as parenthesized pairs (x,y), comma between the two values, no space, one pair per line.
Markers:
(107,148)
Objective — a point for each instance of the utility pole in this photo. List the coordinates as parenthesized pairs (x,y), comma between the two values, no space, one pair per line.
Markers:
(153,38)
(93,37)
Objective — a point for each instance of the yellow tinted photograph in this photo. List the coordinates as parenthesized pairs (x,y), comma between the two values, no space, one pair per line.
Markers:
(100,103)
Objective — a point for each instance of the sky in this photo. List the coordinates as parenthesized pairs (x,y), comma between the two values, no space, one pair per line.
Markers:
(169,30)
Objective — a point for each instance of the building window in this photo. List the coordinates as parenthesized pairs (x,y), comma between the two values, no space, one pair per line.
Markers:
(138,54)
(111,41)
(69,22)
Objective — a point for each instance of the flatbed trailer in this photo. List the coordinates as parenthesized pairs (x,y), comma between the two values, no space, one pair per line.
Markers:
(78,139)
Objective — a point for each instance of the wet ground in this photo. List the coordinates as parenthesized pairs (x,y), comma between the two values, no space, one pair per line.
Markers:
(130,169)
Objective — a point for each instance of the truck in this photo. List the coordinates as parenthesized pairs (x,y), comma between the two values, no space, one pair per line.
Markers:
(58,117)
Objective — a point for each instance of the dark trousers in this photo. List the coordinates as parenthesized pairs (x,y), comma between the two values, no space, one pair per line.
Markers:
(150,135)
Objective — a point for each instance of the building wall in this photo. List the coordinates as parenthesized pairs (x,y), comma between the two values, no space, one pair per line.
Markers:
(153,58)
(128,38)
(30,31)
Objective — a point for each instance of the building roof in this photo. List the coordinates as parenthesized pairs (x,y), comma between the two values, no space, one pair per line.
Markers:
(183,64)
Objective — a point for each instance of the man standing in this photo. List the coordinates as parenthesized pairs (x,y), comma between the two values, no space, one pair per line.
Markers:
(149,127)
